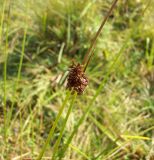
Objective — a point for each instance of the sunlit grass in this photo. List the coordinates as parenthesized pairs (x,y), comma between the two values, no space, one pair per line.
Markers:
(39,119)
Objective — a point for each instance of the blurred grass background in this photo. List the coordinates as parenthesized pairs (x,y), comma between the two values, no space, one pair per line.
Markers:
(38,41)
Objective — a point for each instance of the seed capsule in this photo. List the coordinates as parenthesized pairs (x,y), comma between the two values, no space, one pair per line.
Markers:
(77,80)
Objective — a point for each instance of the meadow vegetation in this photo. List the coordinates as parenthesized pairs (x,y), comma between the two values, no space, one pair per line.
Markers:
(39,118)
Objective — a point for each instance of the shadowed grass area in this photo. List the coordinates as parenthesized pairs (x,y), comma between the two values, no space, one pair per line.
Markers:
(113,119)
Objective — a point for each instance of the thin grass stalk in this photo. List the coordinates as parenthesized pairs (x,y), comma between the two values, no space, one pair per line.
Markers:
(19,71)
(80,152)
(68,30)
(18,79)
(5,62)
(105,130)
(44,22)
(54,126)
(5,82)
(89,53)
(18,75)
(114,151)
(55,149)
(2,20)
(4,70)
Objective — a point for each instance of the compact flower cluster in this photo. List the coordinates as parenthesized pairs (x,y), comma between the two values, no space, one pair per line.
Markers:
(77,80)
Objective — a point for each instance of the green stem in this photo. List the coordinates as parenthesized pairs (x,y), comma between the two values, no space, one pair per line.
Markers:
(53,127)
(19,72)
(55,149)
(5,63)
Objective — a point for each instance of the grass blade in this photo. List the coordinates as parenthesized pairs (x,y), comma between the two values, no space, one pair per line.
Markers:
(79,151)
(5,62)
(55,149)
(2,20)
(105,131)
(53,127)
(61,52)
(19,73)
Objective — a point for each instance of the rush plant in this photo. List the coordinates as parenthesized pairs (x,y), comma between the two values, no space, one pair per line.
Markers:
(77,80)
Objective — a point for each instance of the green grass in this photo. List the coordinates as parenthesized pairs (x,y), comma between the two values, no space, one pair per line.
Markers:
(39,118)
(53,127)
(5,70)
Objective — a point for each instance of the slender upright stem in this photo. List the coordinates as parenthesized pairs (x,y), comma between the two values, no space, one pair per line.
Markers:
(5,69)
(6,5)
(55,148)
(88,57)
(53,127)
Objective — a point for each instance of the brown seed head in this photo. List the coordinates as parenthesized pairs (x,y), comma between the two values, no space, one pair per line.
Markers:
(77,80)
